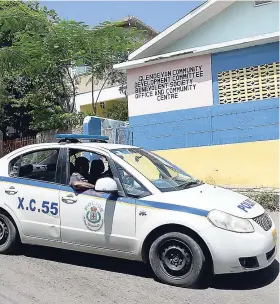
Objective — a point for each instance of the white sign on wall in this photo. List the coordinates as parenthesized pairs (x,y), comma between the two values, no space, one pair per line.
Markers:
(174,85)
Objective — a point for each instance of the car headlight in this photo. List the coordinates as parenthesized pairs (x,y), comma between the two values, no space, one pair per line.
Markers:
(230,222)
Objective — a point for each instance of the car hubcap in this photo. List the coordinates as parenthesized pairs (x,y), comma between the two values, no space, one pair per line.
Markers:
(175,258)
(4,232)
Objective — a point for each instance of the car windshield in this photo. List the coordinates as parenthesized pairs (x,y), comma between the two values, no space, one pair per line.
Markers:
(163,174)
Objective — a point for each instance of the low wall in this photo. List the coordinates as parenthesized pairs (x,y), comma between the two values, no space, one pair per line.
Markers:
(50,136)
(233,144)
(253,164)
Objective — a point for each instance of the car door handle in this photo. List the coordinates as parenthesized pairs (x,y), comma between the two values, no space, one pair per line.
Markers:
(11,190)
(69,199)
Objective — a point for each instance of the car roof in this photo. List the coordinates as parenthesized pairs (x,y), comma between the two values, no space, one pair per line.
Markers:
(102,146)
(105,146)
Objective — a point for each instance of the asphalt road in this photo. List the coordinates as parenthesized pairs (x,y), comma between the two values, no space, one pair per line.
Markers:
(44,275)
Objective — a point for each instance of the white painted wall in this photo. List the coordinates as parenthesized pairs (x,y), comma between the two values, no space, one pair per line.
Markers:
(198,93)
(240,20)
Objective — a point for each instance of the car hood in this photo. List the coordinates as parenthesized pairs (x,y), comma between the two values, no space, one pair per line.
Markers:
(208,197)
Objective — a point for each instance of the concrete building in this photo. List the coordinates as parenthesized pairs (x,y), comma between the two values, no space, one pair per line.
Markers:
(109,95)
(204,93)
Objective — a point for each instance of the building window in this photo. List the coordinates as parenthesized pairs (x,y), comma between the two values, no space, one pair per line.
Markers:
(259,3)
(247,84)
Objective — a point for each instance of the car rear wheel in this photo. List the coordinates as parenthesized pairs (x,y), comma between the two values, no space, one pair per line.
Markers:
(177,259)
(8,235)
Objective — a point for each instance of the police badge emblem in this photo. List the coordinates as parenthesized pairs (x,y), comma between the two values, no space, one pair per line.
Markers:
(93,216)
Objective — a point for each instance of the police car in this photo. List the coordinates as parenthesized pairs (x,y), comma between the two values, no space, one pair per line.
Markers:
(142,208)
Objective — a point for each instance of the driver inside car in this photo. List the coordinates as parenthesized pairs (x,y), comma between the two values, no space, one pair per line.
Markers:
(80,176)
(96,170)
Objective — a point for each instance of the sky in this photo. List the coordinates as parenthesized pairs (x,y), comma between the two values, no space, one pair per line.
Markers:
(157,14)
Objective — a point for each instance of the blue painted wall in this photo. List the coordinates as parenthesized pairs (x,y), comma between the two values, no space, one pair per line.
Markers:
(217,124)
(240,20)
(207,126)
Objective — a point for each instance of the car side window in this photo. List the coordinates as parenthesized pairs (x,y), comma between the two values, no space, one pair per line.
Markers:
(98,166)
(37,165)
(14,166)
(131,186)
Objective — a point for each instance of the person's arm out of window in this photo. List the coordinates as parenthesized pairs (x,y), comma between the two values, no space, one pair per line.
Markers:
(78,182)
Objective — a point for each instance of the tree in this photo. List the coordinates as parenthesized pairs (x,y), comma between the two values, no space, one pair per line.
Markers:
(15,18)
(36,55)
(108,44)
(118,111)
(38,52)
(56,53)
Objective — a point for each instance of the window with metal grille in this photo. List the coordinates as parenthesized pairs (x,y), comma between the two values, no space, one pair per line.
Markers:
(248,84)
(258,3)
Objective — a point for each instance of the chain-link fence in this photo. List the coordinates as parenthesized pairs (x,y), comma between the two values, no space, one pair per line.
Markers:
(124,136)
(119,134)
(110,132)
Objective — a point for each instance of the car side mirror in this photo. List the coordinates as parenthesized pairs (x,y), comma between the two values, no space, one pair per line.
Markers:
(106,184)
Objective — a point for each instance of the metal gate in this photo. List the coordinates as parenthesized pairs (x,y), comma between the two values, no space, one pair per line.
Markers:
(119,132)
(124,135)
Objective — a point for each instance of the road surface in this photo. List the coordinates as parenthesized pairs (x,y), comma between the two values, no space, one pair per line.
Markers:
(44,275)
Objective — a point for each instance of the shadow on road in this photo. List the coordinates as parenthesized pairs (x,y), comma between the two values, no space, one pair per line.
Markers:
(88,260)
(243,281)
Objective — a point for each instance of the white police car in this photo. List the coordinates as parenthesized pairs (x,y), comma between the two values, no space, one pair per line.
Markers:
(143,208)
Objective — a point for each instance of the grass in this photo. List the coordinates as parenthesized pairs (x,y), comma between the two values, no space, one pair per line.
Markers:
(264,196)
(269,200)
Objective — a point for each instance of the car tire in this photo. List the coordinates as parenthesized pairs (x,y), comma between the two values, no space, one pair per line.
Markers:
(177,259)
(8,235)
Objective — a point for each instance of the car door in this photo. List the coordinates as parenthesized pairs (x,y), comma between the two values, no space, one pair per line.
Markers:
(96,219)
(31,192)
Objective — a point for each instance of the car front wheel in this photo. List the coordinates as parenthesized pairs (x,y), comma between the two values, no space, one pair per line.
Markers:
(177,259)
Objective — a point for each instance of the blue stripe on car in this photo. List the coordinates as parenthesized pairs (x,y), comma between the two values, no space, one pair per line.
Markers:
(144,203)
